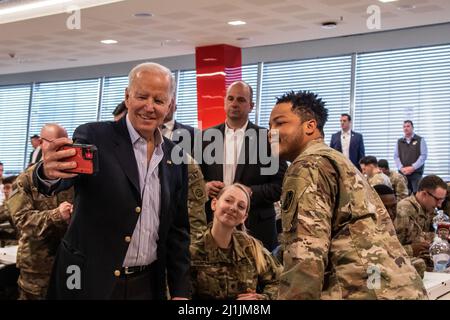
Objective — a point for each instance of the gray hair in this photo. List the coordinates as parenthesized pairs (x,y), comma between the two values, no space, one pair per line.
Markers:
(152,66)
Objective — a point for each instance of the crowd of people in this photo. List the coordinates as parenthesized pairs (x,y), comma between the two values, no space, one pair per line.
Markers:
(173,212)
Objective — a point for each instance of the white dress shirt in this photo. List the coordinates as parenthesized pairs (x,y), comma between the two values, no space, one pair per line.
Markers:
(167,130)
(231,150)
(35,154)
(345,142)
(142,248)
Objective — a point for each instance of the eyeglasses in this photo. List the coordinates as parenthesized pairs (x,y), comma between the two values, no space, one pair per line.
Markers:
(49,141)
(434,197)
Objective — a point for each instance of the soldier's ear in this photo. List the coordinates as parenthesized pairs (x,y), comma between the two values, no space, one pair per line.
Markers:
(213,204)
(310,126)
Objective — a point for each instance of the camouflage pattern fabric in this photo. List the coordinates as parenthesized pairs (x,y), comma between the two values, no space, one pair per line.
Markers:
(338,239)
(40,230)
(400,185)
(379,178)
(223,274)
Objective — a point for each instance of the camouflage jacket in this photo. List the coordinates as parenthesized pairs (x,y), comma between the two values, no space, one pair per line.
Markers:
(379,178)
(338,239)
(8,233)
(412,223)
(400,185)
(223,274)
(196,200)
(40,230)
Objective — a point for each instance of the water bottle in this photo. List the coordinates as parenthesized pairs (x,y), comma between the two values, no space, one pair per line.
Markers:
(440,254)
(439,217)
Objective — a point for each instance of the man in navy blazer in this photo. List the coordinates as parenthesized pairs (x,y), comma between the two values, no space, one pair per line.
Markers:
(129,231)
(349,142)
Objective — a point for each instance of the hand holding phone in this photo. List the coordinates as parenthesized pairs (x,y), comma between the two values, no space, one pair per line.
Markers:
(85,158)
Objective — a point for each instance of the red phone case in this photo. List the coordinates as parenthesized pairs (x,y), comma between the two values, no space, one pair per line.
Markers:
(85,158)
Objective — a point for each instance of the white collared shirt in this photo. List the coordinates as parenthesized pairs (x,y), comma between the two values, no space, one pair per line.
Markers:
(35,154)
(345,142)
(143,244)
(167,129)
(231,150)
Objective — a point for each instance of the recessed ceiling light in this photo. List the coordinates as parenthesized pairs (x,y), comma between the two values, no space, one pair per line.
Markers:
(329,25)
(237,23)
(386,1)
(406,7)
(143,15)
(109,41)
(209,59)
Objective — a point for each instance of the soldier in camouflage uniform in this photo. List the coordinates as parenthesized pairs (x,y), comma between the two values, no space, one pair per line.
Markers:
(230,264)
(398,181)
(414,217)
(369,167)
(196,199)
(8,233)
(338,239)
(387,196)
(41,222)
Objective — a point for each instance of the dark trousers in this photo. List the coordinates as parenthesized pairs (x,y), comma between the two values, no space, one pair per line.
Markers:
(413,181)
(138,286)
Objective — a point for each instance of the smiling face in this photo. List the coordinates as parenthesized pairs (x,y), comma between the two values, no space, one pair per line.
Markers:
(148,98)
(230,209)
(293,134)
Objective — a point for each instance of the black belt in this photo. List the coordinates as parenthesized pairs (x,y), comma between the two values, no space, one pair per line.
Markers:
(135,269)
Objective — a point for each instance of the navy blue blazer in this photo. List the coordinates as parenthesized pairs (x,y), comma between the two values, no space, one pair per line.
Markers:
(106,210)
(356,150)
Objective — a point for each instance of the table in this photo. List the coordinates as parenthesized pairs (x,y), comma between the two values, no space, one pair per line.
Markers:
(437,285)
(8,255)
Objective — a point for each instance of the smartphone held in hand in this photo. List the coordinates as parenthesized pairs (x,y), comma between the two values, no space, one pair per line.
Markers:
(85,157)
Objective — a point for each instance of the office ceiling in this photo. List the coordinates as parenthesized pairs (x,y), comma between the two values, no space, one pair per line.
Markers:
(176,27)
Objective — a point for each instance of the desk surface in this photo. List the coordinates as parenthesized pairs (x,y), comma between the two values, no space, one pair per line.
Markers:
(8,255)
(437,285)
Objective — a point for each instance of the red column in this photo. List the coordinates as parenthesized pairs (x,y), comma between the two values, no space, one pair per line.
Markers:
(217,67)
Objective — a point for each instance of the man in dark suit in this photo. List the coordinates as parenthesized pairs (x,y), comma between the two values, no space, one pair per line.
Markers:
(238,158)
(36,154)
(130,221)
(349,142)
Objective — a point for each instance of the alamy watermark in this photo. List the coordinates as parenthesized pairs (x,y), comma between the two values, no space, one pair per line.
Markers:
(374,19)
(73,22)
(209,148)
(374,279)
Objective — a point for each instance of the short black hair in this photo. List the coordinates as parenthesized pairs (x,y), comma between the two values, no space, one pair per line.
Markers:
(410,122)
(1,163)
(35,136)
(383,189)
(383,163)
(9,179)
(307,105)
(349,117)
(431,182)
(369,160)
(121,107)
